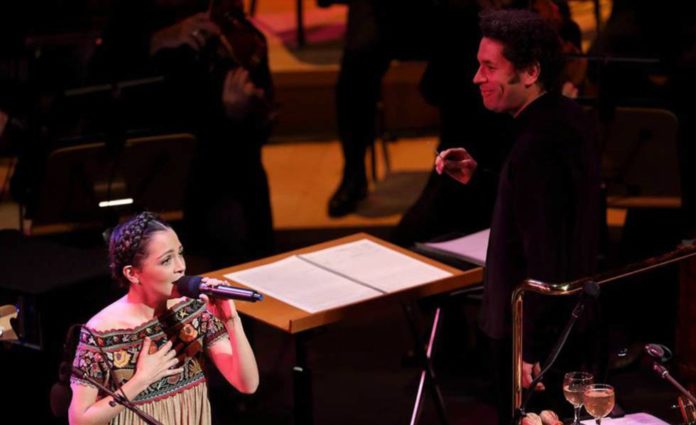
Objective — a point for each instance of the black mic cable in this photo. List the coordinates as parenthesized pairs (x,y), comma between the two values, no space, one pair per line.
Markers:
(590,290)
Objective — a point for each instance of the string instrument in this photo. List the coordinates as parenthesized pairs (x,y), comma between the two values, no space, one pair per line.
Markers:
(240,41)
(241,44)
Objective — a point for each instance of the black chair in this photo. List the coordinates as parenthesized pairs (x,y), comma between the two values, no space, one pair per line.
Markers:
(88,184)
(639,158)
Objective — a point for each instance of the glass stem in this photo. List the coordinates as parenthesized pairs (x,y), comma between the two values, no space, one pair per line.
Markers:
(577,415)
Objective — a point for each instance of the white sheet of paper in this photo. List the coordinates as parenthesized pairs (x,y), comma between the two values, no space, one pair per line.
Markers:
(303,285)
(632,419)
(376,266)
(471,248)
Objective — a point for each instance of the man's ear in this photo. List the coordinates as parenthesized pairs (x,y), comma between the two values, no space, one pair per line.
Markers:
(132,274)
(530,74)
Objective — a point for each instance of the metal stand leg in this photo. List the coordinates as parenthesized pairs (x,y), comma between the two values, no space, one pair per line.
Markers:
(300,24)
(428,373)
(383,136)
(598,15)
(373,161)
(302,383)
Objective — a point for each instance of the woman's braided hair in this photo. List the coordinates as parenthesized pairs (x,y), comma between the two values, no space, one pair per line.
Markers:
(128,243)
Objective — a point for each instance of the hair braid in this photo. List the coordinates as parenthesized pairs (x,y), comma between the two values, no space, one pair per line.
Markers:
(128,242)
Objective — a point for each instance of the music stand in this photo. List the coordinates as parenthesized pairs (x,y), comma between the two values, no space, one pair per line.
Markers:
(300,323)
(86,184)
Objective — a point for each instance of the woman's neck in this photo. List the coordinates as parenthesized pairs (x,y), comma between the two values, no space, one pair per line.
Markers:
(142,305)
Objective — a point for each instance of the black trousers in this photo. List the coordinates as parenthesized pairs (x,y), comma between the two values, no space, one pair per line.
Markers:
(377,32)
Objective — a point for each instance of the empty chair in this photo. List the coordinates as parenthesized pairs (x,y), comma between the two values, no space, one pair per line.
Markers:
(87,183)
(639,157)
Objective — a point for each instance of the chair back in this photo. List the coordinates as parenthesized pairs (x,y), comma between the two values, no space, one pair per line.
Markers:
(84,184)
(639,153)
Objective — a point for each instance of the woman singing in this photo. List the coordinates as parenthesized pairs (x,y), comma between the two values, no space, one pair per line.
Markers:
(151,342)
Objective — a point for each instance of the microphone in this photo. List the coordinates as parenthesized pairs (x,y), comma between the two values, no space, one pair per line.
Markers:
(661,354)
(658,352)
(193,286)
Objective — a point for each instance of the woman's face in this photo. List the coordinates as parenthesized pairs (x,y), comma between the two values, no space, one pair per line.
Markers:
(162,265)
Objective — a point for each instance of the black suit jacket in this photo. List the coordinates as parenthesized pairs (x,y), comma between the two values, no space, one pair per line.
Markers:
(546,218)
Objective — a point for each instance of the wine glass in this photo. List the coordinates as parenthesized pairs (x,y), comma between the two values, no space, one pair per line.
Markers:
(574,384)
(599,400)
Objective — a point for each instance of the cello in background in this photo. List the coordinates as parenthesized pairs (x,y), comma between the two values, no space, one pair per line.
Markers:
(241,44)
(240,41)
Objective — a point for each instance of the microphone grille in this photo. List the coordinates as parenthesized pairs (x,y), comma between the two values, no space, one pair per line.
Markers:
(189,286)
(659,352)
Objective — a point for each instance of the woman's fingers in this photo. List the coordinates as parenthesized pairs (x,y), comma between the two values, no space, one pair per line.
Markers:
(170,372)
(169,355)
(213,282)
(171,363)
(165,347)
(146,345)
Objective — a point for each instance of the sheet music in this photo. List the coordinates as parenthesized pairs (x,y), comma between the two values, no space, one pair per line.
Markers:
(376,266)
(471,248)
(303,285)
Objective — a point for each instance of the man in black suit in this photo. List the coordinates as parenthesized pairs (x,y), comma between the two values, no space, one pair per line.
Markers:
(547,213)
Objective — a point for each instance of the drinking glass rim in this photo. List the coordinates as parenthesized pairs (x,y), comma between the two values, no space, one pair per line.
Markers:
(591,387)
(578,375)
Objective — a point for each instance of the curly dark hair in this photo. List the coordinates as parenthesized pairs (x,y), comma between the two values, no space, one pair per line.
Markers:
(128,242)
(526,39)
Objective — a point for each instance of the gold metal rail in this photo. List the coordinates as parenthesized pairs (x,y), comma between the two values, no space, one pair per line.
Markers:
(683,251)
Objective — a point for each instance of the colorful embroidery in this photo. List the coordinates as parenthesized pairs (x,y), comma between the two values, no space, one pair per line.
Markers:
(188,325)
(121,358)
(188,333)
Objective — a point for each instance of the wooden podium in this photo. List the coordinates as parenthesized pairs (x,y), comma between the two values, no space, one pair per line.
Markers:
(297,322)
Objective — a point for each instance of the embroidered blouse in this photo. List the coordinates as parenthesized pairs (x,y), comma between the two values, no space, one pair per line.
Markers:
(180,399)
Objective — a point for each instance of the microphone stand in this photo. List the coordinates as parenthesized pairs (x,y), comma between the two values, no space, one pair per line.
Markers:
(590,290)
(664,374)
(685,250)
(117,398)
